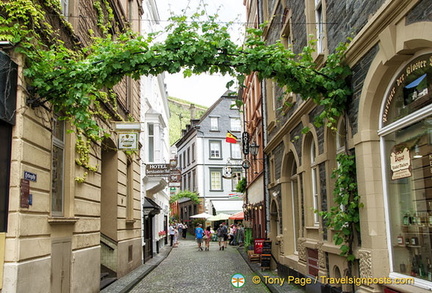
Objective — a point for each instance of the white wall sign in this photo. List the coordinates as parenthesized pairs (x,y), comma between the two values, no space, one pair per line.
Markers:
(128,141)
(400,164)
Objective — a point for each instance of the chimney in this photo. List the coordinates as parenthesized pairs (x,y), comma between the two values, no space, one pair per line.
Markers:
(192,111)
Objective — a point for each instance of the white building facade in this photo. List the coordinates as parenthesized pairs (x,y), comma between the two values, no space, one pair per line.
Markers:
(155,150)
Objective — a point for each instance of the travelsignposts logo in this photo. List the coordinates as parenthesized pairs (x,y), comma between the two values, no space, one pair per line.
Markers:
(238,280)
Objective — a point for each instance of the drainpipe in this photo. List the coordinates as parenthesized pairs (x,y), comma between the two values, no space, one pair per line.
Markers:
(264,132)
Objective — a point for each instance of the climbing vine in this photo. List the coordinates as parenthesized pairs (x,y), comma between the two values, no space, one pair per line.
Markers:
(73,79)
(71,82)
(344,216)
(185,194)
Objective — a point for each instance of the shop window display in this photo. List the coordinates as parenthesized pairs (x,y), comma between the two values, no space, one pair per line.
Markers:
(407,138)
(409,185)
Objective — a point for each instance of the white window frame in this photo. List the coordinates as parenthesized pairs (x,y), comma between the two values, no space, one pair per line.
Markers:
(314,182)
(236,152)
(214,123)
(64,4)
(59,143)
(216,174)
(319,19)
(215,154)
(235,124)
(237,175)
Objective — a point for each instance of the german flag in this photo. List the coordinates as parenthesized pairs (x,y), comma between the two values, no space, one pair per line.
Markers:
(231,138)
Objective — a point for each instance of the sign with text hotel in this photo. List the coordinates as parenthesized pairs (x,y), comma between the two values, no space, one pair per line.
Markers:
(158,170)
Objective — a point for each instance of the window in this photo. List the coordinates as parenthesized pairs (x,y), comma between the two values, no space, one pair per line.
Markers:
(184,159)
(406,140)
(215,150)
(189,181)
(216,179)
(286,32)
(180,162)
(315,178)
(194,187)
(150,128)
(65,7)
(57,176)
(410,197)
(235,124)
(214,123)
(188,156)
(235,151)
(295,203)
(319,20)
(193,152)
(129,191)
(237,176)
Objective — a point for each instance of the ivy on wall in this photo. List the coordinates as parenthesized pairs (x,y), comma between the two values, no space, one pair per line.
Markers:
(344,216)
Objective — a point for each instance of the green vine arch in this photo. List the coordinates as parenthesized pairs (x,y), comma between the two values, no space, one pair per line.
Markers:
(74,79)
(185,194)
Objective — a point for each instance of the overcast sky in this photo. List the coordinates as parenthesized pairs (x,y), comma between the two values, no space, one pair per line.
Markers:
(203,89)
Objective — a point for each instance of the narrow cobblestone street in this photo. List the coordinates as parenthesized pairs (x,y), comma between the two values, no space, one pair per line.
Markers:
(188,270)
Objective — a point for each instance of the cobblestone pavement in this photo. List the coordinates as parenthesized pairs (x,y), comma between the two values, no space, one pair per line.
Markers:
(188,270)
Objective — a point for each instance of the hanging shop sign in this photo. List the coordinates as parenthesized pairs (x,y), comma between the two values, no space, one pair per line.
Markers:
(174,178)
(245,143)
(128,141)
(158,170)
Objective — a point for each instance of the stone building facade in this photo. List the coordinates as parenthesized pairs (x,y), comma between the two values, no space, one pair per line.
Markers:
(387,127)
(61,227)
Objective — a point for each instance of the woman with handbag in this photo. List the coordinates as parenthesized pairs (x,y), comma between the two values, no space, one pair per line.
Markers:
(207,238)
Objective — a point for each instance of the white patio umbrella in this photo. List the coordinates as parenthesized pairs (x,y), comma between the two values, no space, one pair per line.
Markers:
(201,216)
(219,217)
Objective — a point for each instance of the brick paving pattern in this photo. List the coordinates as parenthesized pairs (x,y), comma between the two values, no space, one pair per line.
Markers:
(188,270)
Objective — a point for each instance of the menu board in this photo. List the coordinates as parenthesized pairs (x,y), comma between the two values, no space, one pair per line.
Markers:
(266,254)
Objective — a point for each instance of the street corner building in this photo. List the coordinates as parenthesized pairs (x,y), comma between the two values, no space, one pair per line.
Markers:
(386,126)
(69,205)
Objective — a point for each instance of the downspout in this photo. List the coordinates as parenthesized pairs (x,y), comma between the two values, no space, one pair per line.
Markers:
(264,132)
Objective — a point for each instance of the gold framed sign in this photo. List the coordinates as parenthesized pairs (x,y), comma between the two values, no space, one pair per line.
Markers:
(128,141)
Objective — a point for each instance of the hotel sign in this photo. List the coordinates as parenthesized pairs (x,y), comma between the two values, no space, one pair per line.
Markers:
(158,170)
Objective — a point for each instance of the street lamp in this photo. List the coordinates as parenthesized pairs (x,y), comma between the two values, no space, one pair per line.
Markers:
(253,148)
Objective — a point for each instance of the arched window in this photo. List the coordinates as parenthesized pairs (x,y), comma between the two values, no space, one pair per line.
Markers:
(406,141)
(314,182)
(295,202)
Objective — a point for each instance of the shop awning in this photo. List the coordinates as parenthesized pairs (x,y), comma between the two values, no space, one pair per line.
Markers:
(150,207)
(227,206)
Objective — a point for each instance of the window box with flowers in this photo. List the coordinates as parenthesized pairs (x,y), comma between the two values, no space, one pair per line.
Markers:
(162,234)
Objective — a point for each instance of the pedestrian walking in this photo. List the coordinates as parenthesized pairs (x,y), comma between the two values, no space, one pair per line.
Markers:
(180,228)
(171,233)
(222,233)
(176,234)
(207,237)
(199,234)
(184,230)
